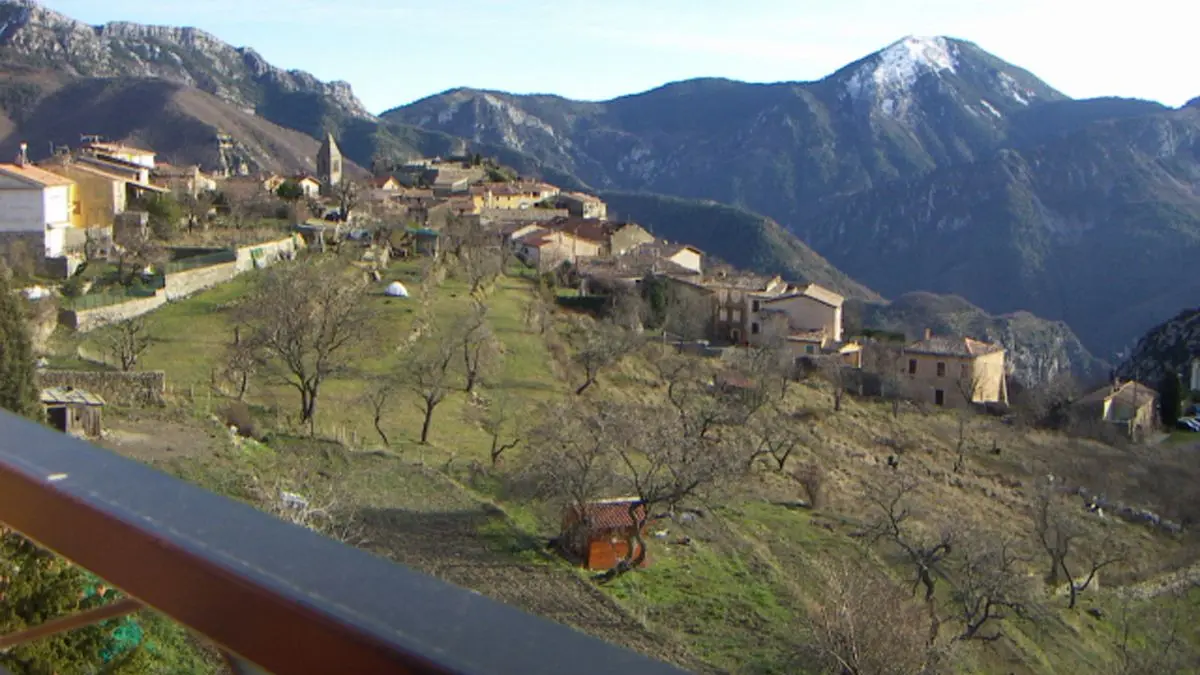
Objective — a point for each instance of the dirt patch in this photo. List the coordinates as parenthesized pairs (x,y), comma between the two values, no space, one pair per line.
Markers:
(153,440)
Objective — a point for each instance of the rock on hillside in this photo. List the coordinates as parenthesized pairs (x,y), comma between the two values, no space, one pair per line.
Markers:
(36,36)
(1170,345)
(1038,350)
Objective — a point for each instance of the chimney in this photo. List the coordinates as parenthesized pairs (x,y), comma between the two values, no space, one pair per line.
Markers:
(928,333)
(23,155)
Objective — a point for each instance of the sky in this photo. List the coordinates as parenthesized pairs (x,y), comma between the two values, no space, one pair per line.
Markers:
(396,51)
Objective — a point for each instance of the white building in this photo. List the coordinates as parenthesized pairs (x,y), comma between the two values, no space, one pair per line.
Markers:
(1195,379)
(121,153)
(33,200)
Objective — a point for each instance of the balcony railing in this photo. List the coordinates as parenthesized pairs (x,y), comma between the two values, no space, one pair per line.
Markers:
(265,592)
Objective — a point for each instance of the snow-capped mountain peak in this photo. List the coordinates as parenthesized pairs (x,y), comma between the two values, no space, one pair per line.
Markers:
(887,77)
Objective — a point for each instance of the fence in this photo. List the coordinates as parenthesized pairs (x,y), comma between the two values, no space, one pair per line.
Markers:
(214,258)
(107,298)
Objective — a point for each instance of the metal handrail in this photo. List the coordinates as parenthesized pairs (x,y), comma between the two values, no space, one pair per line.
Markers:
(275,594)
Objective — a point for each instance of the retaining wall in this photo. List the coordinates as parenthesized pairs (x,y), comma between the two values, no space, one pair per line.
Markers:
(266,254)
(140,388)
(84,320)
(182,284)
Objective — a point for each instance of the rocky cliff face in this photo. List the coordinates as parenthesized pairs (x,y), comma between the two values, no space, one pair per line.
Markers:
(1170,346)
(36,36)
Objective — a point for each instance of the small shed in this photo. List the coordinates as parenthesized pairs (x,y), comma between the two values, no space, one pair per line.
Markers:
(597,535)
(426,241)
(73,411)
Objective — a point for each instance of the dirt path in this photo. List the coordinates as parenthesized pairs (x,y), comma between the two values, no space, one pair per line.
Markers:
(152,440)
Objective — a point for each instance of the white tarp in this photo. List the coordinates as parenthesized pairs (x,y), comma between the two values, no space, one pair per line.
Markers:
(396,290)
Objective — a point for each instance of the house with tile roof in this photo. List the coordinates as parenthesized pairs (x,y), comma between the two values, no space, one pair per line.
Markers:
(956,371)
(37,207)
(806,318)
(1130,406)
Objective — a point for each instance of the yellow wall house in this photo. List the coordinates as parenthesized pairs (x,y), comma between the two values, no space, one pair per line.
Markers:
(101,196)
(951,371)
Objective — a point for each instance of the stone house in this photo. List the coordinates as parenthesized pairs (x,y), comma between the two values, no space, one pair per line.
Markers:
(521,195)
(1130,406)
(184,181)
(583,205)
(1194,380)
(613,238)
(546,249)
(726,292)
(955,371)
(807,318)
(309,185)
(386,184)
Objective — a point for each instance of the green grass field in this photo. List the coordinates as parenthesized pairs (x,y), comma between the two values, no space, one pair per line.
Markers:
(734,597)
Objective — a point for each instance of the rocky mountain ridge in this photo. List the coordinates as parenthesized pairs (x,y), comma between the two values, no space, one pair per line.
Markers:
(1170,345)
(34,35)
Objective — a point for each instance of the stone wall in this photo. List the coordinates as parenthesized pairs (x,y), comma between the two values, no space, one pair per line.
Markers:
(139,388)
(521,215)
(268,253)
(182,284)
(84,320)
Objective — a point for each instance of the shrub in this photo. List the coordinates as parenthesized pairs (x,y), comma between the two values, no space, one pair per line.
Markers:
(237,415)
(812,477)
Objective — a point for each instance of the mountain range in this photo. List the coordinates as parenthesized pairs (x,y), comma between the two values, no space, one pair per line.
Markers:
(928,166)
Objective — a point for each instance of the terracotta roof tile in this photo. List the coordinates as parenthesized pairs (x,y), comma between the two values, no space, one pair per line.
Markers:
(608,514)
(33,174)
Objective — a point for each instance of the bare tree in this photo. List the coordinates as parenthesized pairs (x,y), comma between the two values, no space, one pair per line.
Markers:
(306,320)
(136,250)
(1062,537)
(128,341)
(538,310)
(989,586)
(427,372)
(241,362)
(774,435)
(864,625)
(643,450)
(885,361)
(348,195)
(498,419)
(196,208)
(1152,638)
(923,552)
(836,372)
(601,346)
(377,398)
(481,350)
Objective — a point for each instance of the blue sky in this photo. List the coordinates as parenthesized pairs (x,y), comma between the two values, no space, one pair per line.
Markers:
(397,51)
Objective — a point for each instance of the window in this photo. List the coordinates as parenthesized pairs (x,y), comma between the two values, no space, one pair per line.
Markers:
(754,328)
(941,369)
(939,397)
(754,306)
(810,349)
(912,366)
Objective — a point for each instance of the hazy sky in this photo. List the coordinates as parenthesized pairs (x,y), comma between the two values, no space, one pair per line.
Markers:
(396,51)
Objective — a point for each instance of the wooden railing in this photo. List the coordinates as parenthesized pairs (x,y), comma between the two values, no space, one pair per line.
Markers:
(274,597)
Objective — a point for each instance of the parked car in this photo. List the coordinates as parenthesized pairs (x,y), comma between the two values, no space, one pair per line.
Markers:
(1188,424)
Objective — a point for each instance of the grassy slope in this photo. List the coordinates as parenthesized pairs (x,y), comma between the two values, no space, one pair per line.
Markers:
(735,596)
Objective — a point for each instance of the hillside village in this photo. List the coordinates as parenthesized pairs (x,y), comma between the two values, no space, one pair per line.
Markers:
(135,271)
